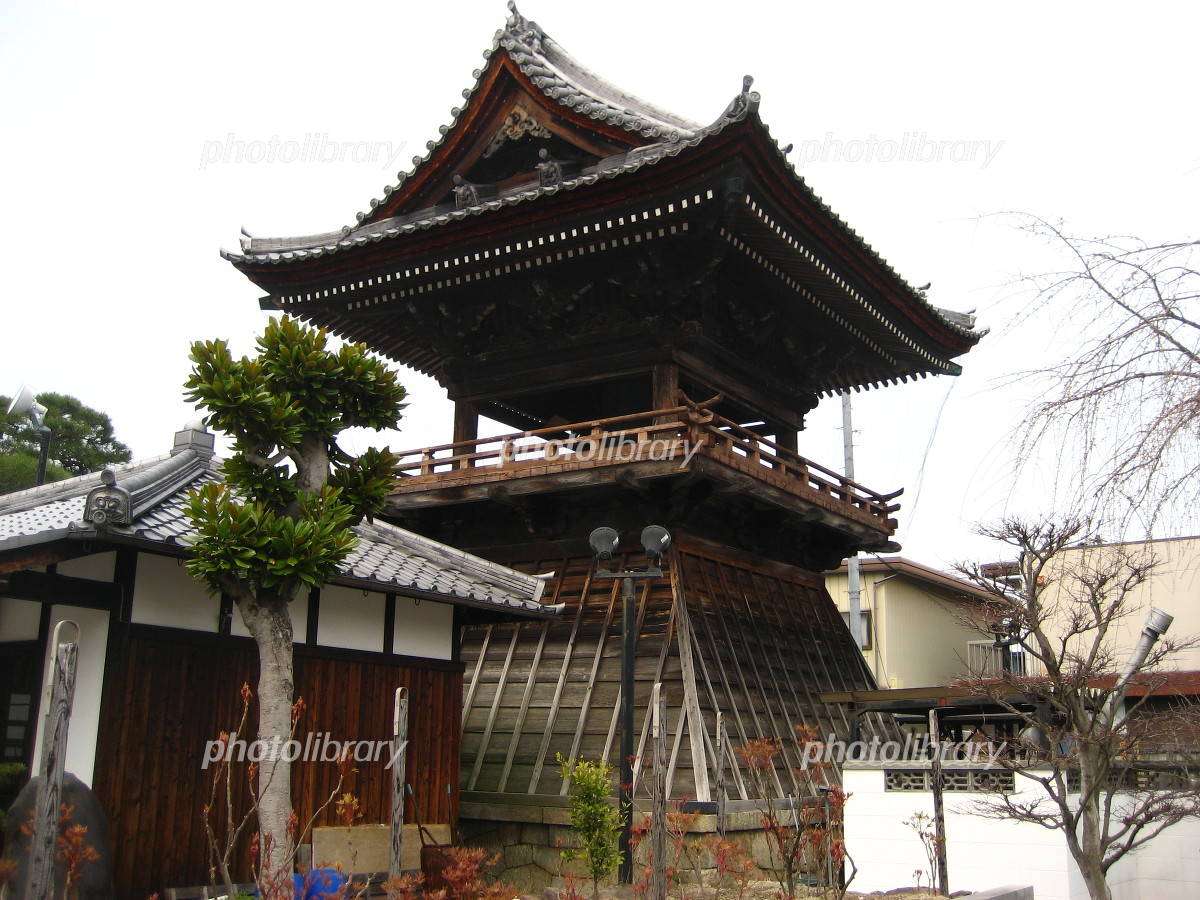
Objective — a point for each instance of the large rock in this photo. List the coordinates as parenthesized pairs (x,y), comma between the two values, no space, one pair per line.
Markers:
(96,882)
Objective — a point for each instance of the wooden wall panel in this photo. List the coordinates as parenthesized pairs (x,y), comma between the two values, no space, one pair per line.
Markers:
(167,693)
(766,640)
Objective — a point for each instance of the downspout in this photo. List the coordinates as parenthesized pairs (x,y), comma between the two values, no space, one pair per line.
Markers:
(1157,623)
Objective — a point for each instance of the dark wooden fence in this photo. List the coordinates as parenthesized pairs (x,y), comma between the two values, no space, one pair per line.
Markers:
(167,693)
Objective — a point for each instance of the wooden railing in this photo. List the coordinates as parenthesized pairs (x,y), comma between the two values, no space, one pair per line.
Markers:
(674,433)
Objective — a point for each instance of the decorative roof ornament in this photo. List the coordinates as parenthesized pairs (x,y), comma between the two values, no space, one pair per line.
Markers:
(744,103)
(524,30)
(550,171)
(465,193)
(108,504)
(516,125)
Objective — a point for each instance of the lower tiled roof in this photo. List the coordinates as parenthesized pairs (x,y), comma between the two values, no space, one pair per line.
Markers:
(386,559)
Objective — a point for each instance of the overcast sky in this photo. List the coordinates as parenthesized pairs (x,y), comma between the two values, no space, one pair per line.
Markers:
(139,137)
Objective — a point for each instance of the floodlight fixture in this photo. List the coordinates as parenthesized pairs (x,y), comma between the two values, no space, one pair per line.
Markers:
(655,539)
(604,542)
(25,404)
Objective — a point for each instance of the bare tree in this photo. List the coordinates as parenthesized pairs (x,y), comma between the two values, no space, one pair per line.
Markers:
(1113,762)
(1125,405)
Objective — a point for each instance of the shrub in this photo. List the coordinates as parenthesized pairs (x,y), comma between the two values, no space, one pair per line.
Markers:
(594,818)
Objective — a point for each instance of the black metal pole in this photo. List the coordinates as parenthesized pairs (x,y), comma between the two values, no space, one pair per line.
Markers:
(43,454)
(628,650)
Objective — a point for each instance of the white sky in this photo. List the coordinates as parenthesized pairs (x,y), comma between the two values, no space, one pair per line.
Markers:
(140,136)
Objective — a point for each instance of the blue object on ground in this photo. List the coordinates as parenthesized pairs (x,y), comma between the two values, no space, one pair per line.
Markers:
(319,883)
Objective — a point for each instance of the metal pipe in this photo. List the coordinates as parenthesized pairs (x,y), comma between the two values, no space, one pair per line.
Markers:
(43,453)
(854,585)
(628,650)
(1157,623)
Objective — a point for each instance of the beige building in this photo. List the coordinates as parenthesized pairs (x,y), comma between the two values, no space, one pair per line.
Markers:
(911,614)
(1173,586)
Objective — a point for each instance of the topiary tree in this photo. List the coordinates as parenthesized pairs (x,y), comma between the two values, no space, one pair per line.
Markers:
(280,523)
(594,817)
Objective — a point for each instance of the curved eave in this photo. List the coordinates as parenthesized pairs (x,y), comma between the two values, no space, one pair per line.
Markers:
(765,158)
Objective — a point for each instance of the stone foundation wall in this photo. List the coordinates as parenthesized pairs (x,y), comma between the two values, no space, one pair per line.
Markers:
(531,851)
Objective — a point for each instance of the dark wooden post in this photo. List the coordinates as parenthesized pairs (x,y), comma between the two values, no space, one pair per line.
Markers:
(399,744)
(721,750)
(939,813)
(54,749)
(665,386)
(787,438)
(658,812)
(466,428)
(628,649)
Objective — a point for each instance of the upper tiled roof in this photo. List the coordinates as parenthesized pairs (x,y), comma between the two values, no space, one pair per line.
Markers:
(570,84)
(565,81)
(386,558)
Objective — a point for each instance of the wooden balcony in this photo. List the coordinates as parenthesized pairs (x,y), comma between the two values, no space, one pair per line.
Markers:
(631,449)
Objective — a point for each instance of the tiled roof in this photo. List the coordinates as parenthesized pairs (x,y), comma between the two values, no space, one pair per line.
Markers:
(566,82)
(386,558)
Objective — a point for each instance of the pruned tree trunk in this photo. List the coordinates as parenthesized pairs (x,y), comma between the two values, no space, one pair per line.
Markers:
(270,624)
(1090,853)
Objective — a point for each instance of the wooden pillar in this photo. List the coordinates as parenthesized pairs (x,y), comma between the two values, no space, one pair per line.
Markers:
(786,437)
(399,745)
(942,877)
(665,386)
(466,427)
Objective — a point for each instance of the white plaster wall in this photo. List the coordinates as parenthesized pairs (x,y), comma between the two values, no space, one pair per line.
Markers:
(423,629)
(1168,866)
(165,594)
(19,619)
(984,853)
(350,618)
(981,853)
(98,566)
(89,685)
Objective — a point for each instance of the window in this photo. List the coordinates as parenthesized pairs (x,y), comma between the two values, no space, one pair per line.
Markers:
(865,621)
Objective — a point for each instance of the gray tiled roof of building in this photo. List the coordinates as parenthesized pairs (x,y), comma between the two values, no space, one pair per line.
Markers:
(567,82)
(386,558)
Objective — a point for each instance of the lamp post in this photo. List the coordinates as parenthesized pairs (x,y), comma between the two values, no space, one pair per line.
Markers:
(25,404)
(603,541)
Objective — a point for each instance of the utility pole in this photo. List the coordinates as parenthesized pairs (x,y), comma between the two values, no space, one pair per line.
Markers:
(855,605)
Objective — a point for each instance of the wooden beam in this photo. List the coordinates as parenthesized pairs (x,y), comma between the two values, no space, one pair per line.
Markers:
(515,739)
(601,640)
(486,738)
(44,587)
(474,685)
(691,703)
(544,746)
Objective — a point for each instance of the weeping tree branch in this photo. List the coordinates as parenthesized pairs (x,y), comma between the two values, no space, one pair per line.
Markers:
(1124,404)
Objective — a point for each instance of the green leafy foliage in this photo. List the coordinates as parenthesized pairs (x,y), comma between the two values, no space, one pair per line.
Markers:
(264,548)
(18,471)
(82,441)
(594,817)
(282,518)
(10,775)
